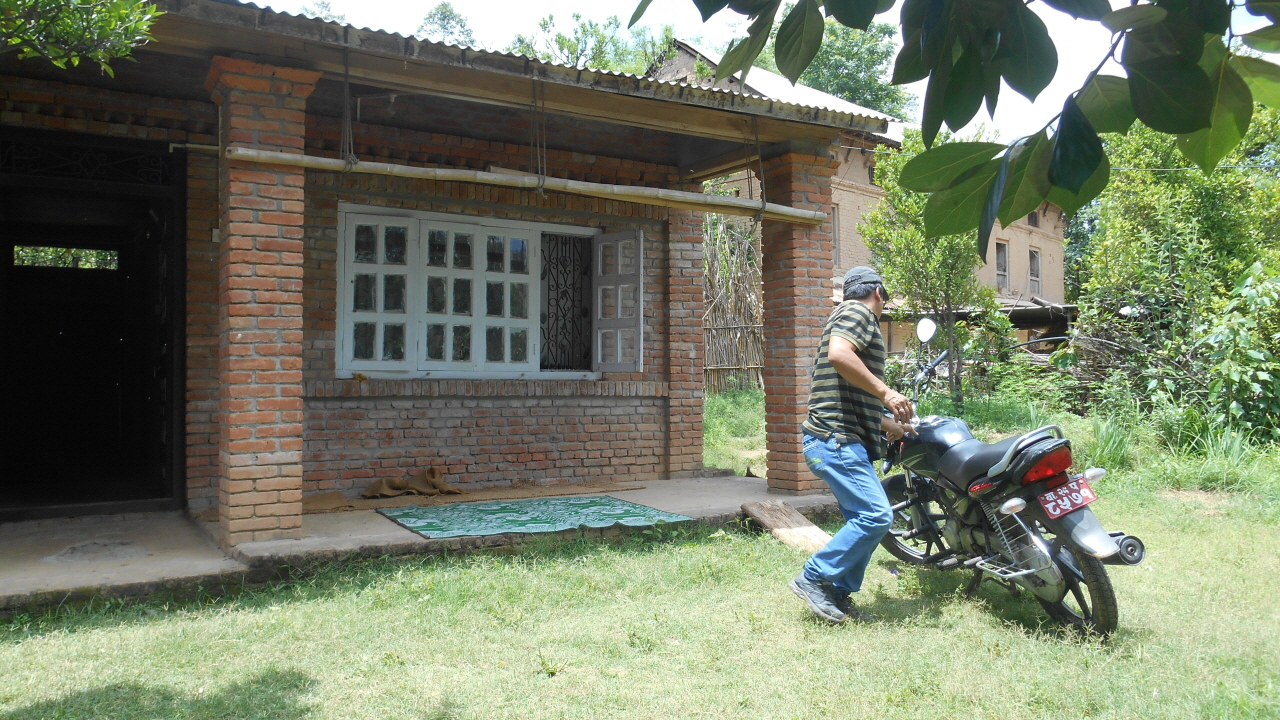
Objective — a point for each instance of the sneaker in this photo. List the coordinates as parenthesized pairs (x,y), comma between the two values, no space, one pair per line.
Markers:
(819,595)
(844,601)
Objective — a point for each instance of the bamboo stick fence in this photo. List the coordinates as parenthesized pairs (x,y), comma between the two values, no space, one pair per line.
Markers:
(732,323)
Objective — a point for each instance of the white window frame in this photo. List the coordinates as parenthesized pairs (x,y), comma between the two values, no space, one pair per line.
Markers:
(1002,274)
(1034,271)
(416,364)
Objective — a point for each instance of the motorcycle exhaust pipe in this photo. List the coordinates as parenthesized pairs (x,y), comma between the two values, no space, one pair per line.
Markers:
(1132,551)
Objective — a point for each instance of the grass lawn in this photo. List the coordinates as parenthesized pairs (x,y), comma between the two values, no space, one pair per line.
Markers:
(694,623)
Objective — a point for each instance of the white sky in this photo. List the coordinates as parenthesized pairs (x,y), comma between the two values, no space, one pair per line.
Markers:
(1081,44)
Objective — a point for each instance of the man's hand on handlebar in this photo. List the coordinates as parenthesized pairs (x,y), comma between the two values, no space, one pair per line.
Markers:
(895,430)
(899,405)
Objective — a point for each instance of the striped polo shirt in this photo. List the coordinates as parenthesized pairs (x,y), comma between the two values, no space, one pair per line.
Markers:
(837,405)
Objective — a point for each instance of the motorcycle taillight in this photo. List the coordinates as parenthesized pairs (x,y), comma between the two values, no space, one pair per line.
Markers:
(1049,465)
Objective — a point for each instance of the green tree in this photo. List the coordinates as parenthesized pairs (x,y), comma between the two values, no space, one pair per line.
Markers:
(600,46)
(854,65)
(933,275)
(446,25)
(1181,79)
(64,33)
(323,10)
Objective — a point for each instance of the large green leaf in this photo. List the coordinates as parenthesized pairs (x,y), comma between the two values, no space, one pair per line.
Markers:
(799,37)
(1176,39)
(1215,51)
(1170,97)
(742,53)
(1105,101)
(1071,202)
(750,8)
(709,7)
(1213,16)
(1262,77)
(964,91)
(934,97)
(1028,182)
(1267,39)
(958,208)
(1269,9)
(1232,111)
(1087,9)
(989,206)
(939,168)
(852,13)
(1027,55)
(639,13)
(910,67)
(1134,16)
(1077,150)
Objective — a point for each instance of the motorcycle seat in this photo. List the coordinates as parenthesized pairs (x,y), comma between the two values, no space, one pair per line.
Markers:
(971,459)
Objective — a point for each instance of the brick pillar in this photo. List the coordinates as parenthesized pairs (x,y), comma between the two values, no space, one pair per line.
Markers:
(797,262)
(685,356)
(260,301)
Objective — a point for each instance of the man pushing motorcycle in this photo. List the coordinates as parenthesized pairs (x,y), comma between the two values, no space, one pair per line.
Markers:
(843,436)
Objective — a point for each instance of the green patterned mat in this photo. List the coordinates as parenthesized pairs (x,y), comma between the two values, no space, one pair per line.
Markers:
(525,516)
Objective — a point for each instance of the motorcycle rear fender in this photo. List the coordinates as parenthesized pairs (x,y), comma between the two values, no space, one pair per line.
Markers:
(1081,528)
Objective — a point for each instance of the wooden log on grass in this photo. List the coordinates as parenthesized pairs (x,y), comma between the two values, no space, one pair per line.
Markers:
(788,525)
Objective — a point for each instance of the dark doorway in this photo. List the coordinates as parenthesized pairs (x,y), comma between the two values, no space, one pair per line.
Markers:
(89,301)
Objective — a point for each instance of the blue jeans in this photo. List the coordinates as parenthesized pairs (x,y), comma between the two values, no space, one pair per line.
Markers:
(849,473)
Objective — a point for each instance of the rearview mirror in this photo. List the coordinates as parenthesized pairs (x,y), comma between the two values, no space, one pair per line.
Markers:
(925,330)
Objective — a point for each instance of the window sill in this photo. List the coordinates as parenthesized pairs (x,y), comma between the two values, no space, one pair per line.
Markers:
(465,375)
(579,384)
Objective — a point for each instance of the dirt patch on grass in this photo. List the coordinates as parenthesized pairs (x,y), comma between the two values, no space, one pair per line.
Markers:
(1210,503)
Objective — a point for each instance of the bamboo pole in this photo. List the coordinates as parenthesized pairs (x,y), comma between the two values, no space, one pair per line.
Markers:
(725,205)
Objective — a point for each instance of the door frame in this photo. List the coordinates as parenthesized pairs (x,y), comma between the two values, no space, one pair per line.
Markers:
(171,190)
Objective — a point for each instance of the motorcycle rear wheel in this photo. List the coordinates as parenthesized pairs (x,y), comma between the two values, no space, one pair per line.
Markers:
(915,550)
(1089,606)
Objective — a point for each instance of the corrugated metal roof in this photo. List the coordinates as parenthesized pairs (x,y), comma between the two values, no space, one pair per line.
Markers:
(806,99)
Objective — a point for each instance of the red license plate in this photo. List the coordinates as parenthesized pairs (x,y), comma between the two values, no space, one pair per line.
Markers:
(1066,498)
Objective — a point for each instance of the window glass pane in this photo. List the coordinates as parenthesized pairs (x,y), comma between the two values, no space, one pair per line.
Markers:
(608,302)
(393,342)
(435,342)
(627,346)
(393,293)
(366,287)
(519,256)
(519,300)
(628,257)
(461,296)
(627,300)
(462,343)
(435,294)
(496,253)
(519,345)
(608,346)
(363,337)
(366,244)
(437,247)
(608,259)
(1035,264)
(396,243)
(462,250)
(493,345)
(493,299)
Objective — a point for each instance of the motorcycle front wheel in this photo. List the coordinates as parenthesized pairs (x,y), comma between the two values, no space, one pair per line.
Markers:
(929,542)
(1089,605)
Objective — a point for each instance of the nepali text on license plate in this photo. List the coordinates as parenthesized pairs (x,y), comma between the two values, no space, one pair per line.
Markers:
(1066,498)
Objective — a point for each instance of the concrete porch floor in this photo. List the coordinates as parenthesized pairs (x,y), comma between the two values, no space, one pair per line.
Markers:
(46,562)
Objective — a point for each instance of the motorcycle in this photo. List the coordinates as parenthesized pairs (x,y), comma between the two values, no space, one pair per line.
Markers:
(1009,511)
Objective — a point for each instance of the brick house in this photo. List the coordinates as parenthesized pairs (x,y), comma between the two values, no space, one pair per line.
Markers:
(240,313)
(1024,260)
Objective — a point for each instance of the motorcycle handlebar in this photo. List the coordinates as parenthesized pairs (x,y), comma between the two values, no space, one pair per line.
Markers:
(929,368)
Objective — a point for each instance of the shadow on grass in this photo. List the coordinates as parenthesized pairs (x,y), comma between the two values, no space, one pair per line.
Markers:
(326,580)
(273,695)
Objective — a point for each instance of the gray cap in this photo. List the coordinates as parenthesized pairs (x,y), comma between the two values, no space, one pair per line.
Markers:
(860,275)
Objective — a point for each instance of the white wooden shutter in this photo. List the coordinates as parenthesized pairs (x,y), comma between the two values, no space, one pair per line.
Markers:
(617,326)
